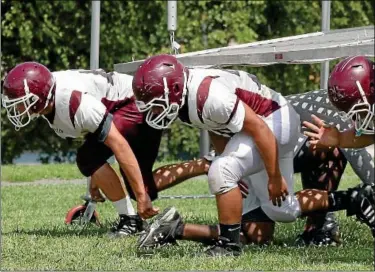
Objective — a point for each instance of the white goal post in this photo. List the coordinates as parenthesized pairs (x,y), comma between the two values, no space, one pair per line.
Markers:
(301,49)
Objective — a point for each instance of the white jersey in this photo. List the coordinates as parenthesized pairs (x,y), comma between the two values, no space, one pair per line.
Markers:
(83,99)
(213,97)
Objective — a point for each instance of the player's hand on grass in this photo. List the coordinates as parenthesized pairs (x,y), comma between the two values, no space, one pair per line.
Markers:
(277,189)
(145,208)
(320,134)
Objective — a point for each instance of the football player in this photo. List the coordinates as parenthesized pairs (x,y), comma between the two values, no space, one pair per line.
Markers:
(351,89)
(263,129)
(326,167)
(323,168)
(100,106)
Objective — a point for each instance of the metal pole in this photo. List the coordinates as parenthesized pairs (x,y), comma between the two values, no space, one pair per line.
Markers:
(204,140)
(1,77)
(326,18)
(95,34)
(204,143)
(172,15)
(172,25)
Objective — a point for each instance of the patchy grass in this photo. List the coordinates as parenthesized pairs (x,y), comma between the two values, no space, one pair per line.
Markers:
(34,237)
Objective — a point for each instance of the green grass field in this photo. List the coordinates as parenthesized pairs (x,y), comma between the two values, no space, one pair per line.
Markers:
(20,173)
(34,236)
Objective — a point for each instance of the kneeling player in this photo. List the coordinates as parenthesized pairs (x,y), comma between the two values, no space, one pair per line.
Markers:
(262,125)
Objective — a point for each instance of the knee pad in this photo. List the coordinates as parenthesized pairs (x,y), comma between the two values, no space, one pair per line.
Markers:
(222,175)
(289,211)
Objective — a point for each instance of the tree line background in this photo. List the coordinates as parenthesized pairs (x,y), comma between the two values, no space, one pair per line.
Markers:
(57,34)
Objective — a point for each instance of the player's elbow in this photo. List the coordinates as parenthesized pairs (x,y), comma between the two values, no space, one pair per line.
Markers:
(255,128)
(120,148)
(116,142)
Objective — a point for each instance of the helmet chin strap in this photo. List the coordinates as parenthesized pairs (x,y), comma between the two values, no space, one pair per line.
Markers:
(50,93)
(361,91)
(166,91)
(34,99)
(26,86)
(184,90)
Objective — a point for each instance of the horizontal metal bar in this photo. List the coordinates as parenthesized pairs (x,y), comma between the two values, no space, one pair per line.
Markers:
(186,196)
(305,56)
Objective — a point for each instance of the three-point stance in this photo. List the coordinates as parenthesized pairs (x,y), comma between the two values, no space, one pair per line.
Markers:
(262,129)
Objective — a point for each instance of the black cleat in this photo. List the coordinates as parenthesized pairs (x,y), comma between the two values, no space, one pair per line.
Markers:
(127,225)
(162,230)
(363,205)
(327,234)
(223,248)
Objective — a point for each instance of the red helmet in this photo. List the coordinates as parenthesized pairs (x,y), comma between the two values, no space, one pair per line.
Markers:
(351,90)
(160,81)
(27,90)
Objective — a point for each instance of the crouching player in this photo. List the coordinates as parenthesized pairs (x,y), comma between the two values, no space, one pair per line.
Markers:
(101,107)
(261,125)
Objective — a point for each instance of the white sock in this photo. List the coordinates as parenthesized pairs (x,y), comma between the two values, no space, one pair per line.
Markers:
(124,206)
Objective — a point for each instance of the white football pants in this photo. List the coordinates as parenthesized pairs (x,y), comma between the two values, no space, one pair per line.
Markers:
(241,160)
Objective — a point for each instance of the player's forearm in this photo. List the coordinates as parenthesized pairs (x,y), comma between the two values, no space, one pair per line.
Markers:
(129,164)
(127,160)
(348,139)
(265,141)
(267,146)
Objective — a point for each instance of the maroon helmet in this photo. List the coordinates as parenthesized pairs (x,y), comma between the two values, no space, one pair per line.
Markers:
(160,81)
(27,90)
(351,90)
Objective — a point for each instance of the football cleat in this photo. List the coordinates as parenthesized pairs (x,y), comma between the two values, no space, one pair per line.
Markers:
(162,230)
(327,234)
(127,225)
(363,205)
(223,248)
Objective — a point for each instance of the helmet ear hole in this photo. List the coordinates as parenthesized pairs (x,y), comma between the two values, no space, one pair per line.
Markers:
(176,87)
(358,65)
